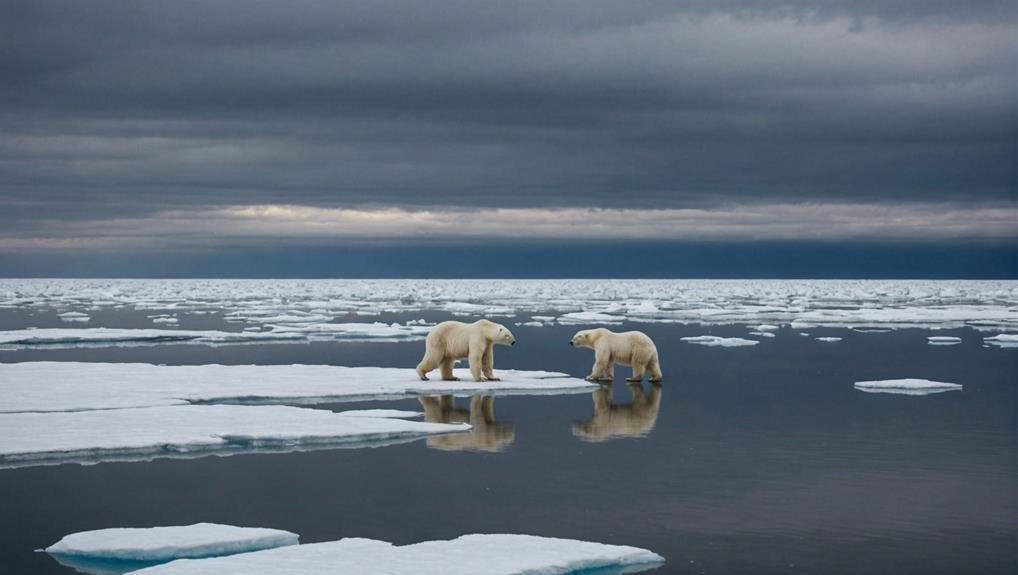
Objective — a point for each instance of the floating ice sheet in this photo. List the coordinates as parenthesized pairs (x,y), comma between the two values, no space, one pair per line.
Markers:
(73,386)
(906,386)
(191,431)
(829,339)
(1003,340)
(943,340)
(171,542)
(466,555)
(716,341)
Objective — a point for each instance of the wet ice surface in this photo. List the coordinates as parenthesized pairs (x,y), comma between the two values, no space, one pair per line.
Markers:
(761,458)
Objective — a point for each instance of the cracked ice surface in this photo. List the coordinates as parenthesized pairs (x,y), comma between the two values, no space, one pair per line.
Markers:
(303,304)
(186,431)
(72,386)
(500,554)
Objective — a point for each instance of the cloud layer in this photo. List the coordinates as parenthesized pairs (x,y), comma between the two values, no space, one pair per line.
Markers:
(174,116)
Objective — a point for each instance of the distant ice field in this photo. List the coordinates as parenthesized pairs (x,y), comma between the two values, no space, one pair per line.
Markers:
(260,311)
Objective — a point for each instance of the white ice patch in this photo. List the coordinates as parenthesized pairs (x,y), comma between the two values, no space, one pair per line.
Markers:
(466,555)
(828,339)
(72,386)
(73,316)
(906,386)
(1005,340)
(172,542)
(766,327)
(715,341)
(943,340)
(393,413)
(585,317)
(191,431)
(762,334)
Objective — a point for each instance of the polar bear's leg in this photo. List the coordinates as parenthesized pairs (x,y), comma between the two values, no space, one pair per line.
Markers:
(488,363)
(430,362)
(638,369)
(447,364)
(610,376)
(655,370)
(601,362)
(476,359)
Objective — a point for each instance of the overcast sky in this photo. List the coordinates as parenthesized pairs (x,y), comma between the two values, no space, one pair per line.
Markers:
(168,127)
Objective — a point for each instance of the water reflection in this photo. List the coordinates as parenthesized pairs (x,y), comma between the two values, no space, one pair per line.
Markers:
(486,435)
(634,419)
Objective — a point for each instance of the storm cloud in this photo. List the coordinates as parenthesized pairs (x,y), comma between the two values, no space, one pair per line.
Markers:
(193,121)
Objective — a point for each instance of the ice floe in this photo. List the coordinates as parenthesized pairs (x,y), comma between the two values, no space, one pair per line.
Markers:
(762,334)
(396,413)
(828,339)
(192,431)
(500,554)
(766,327)
(1002,340)
(72,386)
(170,542)
(716,341)
(906,386)
(73,316)
(103,337)
(943,340)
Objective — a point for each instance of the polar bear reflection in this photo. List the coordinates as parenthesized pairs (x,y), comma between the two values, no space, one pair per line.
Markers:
(634,419)
(487,434)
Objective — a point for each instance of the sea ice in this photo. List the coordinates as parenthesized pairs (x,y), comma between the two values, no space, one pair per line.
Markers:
(191,431)
(766,327)
(75,316)
(1003,340)
(762,333)
(394,413)
(715,341)
(585,317)
(943,340)
(906,386)
(71,386)
(828,339)
(172,542)
(467,555)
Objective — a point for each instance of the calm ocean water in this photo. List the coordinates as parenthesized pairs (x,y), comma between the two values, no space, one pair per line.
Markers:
(756,459)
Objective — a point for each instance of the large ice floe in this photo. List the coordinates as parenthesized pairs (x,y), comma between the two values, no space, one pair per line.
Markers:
(467,555)
(171,542)
(71,386)
(138,434)
(906,386)
(304,306)
(1006,340)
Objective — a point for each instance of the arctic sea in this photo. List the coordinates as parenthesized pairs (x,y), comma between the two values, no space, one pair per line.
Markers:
(758,457)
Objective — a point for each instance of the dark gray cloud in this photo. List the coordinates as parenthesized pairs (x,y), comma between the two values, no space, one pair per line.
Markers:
(129,109)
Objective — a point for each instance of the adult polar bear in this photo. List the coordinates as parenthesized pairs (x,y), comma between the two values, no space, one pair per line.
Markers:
(452,340)
(631,348)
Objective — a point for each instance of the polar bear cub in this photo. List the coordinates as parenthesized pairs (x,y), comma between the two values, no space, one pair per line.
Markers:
(452,340)
(631,348)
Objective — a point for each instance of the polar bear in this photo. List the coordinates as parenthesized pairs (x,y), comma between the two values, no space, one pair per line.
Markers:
(452,340)
(631,348)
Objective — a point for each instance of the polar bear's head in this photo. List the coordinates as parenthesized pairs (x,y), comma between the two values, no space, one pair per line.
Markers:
(499,333)
(583,338)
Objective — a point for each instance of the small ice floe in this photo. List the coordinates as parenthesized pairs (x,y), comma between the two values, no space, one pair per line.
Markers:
(543,318)
(762,333)
(102,336)
(392,413)
(168,319)
(766,327)
(804,333)
(46,386)
(828,339)
(75,316)
(716,341)
(501,554)
(187,431)
(906,386)
(943,340)
(172,542)
(1005,340)
(585,317)
(530,324)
